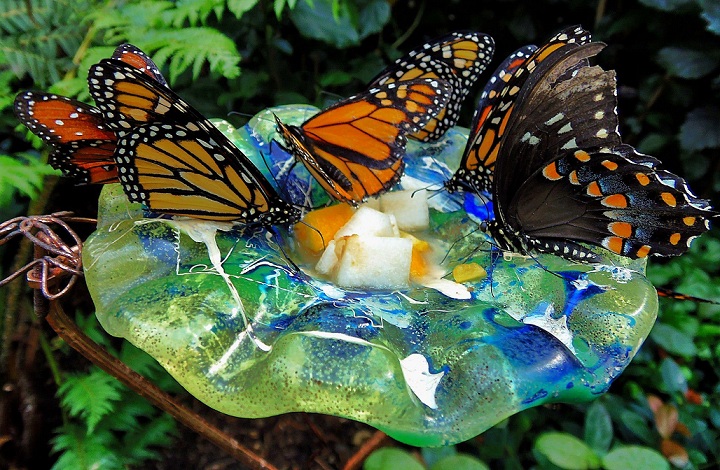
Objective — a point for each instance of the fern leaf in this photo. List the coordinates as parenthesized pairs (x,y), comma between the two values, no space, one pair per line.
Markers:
(84,450)
(138,445)
(240,7)
(89,396)
(21,174)
(192,48)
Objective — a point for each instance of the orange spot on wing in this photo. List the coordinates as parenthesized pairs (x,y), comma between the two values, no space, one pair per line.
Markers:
(621,229)
(573,177)
(593,189)
(551,172)
(689,221)
(582,155)
(614,244)
(642,178)
(675,238)
(669,199)
(617,201)
(612,166)
(643,251)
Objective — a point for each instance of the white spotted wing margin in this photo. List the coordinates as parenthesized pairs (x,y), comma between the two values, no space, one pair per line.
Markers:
(194,171)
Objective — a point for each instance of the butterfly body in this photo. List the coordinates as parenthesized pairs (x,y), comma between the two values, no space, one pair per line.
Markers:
(354,149)
(548,150)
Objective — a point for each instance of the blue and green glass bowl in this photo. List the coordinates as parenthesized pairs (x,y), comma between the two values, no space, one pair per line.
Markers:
(427,369)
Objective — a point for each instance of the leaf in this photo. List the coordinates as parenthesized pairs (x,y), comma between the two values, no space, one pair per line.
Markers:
(22,174)
(566,451)
(701,129)
(390,458)
(687,63)
(634,458)
(432,455)
(598,428)
(666,420)
(319,23)
(673,377)
(666,5)
(711,14)
(89,396)
(374,17)
(240,7)
(637,425)
(138,445)
(675,453)
(673,340)
(84,450)
(460,462)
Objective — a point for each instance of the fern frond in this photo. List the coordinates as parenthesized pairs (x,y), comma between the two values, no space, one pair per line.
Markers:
(90,396)
(42,36)
(192,48)
(194,12)
(138,445)
(84,450)
(240,7)
(21,173)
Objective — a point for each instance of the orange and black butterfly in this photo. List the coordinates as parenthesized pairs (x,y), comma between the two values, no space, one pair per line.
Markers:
(457,58)
(354,148)
(83,145)
(173,160)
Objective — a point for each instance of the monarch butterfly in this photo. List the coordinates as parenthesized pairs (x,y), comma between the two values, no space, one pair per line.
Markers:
(82,144)
(457,58)
(173,160)
(354,148)
(560,174)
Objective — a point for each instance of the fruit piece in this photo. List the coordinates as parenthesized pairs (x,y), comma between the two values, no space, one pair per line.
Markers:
(329,259)
(375,262)
(326,222)
(468,272)
(367,222)
(410,208)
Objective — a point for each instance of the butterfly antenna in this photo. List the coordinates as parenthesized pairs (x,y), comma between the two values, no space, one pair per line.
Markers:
(314,230)
(428,188)
(278,242)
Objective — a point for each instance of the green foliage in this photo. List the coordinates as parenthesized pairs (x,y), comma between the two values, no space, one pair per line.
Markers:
(21,174)
(667,56)
(108,425)
(89,396)
(388,458)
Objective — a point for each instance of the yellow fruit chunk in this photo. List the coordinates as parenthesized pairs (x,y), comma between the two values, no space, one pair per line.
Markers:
(326,222)
(418,264)
(468,272)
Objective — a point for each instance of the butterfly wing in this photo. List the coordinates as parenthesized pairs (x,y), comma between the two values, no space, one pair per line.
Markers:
(134,57)
(457,58)
(476,166)
(354,148)
(82,144)
(478,162)
(562,176)
(614,198)
(174,160)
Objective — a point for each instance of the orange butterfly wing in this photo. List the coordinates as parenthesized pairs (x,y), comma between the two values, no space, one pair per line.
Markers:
(354,148)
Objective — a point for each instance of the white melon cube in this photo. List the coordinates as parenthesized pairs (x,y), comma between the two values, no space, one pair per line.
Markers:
(329,259)
(375,262)
(367,222)
(372,203)
(410,208)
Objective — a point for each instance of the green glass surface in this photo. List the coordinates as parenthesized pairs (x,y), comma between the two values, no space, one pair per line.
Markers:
(427,369)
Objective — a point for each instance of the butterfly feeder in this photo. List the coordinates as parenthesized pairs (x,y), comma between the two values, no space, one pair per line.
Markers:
(225,310)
